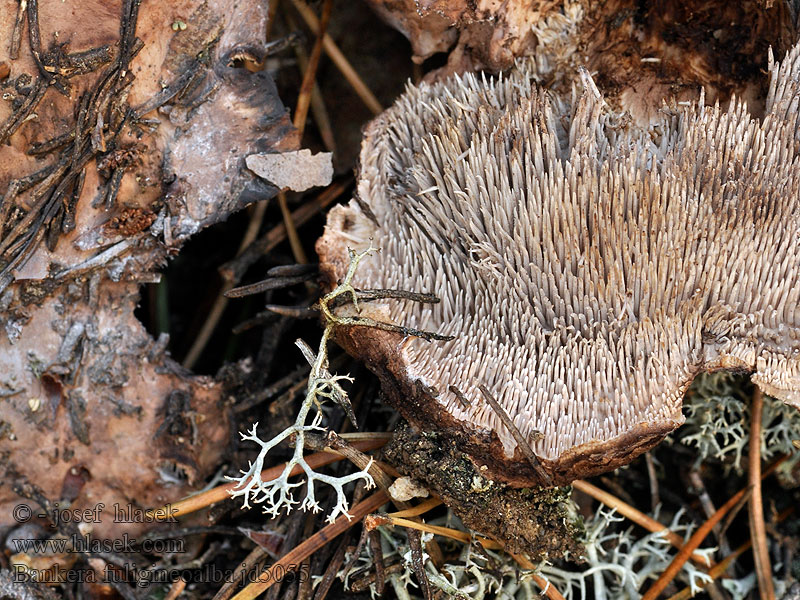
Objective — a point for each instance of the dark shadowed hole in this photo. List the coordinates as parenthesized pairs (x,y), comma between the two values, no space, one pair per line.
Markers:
(190,284)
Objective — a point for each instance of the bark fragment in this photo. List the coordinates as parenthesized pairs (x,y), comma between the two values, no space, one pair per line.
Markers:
(123,136)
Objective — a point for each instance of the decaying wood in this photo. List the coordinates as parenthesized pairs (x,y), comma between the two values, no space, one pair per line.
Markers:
(637,52)
(121,137)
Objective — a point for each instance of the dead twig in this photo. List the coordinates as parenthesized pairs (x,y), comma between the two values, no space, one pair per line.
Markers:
(417,563)
(547,588)
(16,34)
(709,508)
(333,567)
(344,66)
(318,108)
(311,545)
(522,443)
(635,515)
(694,541)
(234,270)
(377,520)
(300,116)
(655,499)
(417,510)
(175,590)
(256,555)
(291,230)
(215,314)
(374,541)
(309,77)
(719,569)
(273,283)
(254,249)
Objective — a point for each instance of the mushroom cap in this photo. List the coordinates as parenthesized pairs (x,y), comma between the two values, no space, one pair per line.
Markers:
(588,267)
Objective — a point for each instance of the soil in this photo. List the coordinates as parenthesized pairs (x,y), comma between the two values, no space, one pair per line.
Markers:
(536,521)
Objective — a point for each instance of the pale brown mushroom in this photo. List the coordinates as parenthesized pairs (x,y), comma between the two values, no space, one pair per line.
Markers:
(588,268)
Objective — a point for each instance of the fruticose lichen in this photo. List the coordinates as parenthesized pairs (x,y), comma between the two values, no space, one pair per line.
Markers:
(717,411)
(277,494)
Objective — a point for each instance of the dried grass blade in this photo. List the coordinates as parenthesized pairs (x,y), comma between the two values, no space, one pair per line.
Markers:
(755,511)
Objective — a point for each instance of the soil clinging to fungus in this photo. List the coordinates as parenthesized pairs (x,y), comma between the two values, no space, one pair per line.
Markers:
(589,268)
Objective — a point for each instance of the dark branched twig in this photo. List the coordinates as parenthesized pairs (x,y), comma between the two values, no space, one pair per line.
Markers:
(16,34)
(374,540)
(272,283)
(293,270)
(333,567)
(387,294)
(418,563)
(345,292)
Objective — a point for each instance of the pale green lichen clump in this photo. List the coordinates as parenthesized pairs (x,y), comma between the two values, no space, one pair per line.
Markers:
(618,564)
(717,411)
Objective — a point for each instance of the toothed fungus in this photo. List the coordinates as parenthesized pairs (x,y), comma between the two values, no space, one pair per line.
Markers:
(588,268)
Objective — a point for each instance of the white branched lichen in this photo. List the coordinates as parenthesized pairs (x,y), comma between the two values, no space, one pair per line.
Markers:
(278,494)
(619,565)
(717,420)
